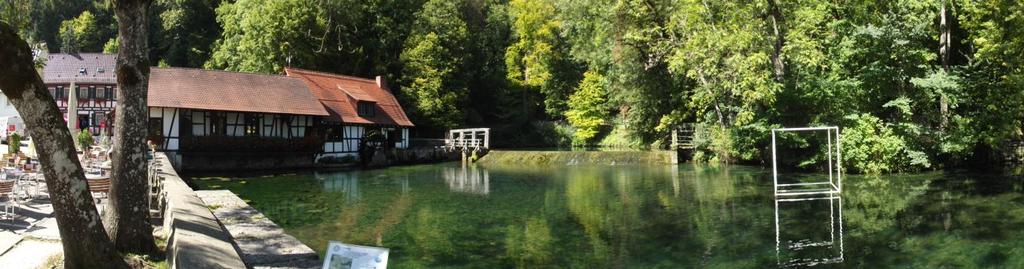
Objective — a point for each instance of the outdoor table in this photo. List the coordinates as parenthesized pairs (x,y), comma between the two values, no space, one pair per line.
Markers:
(93,176)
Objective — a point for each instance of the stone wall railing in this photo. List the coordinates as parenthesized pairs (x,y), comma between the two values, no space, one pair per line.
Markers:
(195,237)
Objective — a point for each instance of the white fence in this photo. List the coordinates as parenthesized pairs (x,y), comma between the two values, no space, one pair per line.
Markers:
(469,139)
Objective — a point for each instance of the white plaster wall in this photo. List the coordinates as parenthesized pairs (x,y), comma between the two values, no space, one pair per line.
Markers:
(6,108)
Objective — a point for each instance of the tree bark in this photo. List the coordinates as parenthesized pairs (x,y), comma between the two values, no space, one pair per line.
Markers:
(85,243)
(780,39)
(945,48)
(127,217)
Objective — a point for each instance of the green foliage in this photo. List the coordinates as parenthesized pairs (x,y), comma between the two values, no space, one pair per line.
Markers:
(433,59)
(539,58)
(182,32)
(511,64)
(265,36)
(111,46)
(587,108)
(84,139)
(871,146)
(80,34)
(15,13)
(730,64)
(13,143)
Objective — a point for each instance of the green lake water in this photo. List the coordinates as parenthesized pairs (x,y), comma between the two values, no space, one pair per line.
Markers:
(454,216)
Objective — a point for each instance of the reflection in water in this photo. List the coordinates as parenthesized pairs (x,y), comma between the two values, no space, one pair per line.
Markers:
(680,216)
(347,183)
(810,247)
(468,179)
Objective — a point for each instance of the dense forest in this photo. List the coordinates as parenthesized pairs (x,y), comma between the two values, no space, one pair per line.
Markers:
(915,84)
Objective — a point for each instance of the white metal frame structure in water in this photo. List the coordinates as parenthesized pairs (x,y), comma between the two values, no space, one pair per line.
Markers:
(835,241)
(834,185)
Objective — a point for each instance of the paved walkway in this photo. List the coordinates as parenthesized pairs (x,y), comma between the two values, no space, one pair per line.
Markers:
(31,238)
(262,242)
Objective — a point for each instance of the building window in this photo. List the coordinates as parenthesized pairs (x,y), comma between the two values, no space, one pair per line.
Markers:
(366,109)
(217,124)
(335,133)
(82,93)
(111,93)
(101,94)
(252,125)
(58,94)
(92,92)
(97,118)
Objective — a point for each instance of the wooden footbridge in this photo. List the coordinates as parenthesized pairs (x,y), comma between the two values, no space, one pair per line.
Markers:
(682,137)
(682,141)
(470,142)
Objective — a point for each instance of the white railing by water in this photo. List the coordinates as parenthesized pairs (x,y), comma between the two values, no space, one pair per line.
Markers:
(469,139)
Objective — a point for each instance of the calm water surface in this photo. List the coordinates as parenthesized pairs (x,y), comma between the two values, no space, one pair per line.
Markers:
(453,216)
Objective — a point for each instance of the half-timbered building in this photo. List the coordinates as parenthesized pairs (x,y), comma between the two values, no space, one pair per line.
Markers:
(209,120)
(95,83)
(357,107)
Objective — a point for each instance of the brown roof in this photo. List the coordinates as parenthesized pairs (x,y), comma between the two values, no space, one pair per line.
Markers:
(65,68)
(231,91)
(339,95)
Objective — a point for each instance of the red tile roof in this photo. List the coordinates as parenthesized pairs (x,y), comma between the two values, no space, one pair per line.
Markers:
(231,91)
(339,95)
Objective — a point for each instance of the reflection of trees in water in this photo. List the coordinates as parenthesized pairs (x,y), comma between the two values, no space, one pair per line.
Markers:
(530,245)
(610,217)
(936,221)
(347,183)
(468,179)
(717,204)
(874,203)
(966,221)
(431,237)
(355,220)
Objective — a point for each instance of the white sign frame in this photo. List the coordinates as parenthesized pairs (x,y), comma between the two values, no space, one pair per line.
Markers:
(359,257)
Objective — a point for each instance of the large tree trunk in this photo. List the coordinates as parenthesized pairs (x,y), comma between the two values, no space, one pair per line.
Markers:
(85,243)
(945,48)
(775,14)
(127,216)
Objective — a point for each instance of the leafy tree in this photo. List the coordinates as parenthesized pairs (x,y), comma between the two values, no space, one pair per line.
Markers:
(111,46)
(80,33)
(433,55)
(587,108)
(183,31)
(265,36)
(539,58)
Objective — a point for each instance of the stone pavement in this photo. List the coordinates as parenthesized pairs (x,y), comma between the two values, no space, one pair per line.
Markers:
(263,244)
(31,238)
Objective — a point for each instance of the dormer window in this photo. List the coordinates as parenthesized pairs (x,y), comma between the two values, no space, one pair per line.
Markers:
(366,109)
(100,70)
(81,71)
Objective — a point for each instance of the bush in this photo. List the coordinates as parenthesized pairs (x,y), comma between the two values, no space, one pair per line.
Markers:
(84,139)
(14,143)
(871,146)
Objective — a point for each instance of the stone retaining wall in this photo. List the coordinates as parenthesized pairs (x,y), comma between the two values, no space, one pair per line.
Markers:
(517,157)
(263,244)
(195,237)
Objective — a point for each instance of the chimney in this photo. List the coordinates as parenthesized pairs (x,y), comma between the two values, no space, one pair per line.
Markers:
(382,83)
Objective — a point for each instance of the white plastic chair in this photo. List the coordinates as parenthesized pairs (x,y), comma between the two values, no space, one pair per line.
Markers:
(8,198)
